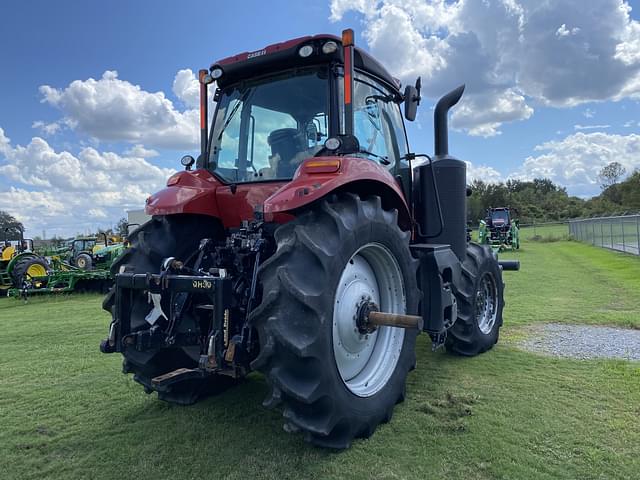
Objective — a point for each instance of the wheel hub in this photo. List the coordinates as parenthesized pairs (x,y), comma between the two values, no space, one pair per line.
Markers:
(366,355)
(486,303)
(362,317)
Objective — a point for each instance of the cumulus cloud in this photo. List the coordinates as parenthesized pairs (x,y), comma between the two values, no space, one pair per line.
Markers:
(112,109)
(483,172)
(187,88)
(59,190)
(511,54)
(47,128)
(576,160)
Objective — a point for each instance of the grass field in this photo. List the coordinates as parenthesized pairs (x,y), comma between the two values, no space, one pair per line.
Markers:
(66,411)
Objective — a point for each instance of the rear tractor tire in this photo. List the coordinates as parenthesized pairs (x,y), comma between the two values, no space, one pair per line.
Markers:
(335,380)
(480,299)
(84,261)
(159,238)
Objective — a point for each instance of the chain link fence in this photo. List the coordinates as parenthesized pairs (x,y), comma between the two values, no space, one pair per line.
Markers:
(620,233)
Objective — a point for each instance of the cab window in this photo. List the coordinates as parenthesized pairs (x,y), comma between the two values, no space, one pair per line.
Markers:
(378,122)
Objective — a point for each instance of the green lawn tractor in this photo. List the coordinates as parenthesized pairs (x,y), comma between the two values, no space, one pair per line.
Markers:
(499,230)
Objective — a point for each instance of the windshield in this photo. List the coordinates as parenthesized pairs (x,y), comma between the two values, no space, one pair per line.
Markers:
(263,130)
(500,216)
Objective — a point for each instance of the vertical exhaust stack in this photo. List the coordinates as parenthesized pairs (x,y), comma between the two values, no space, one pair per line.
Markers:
(440,121)
(440,187)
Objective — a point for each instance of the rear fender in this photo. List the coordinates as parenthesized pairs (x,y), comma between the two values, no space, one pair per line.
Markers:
(186,192)
(357,175)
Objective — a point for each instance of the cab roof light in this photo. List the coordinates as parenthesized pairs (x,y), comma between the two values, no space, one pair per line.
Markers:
(305,51)
(329,47)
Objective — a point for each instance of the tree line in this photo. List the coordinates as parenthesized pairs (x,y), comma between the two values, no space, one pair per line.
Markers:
(541,200)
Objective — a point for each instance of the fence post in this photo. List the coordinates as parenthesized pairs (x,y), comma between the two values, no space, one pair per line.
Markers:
(611,227)
(593,229)
(601,233)
(638,234)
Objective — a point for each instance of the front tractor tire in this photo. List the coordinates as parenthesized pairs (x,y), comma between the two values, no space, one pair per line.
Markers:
(480,300)
(335,380)
(151,243)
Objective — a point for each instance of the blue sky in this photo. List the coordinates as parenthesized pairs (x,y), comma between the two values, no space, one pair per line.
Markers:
(551,91)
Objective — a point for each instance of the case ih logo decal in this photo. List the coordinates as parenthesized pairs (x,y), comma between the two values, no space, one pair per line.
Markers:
(257,54)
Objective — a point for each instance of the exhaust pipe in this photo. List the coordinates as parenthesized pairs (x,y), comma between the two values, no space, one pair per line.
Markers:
(440,127)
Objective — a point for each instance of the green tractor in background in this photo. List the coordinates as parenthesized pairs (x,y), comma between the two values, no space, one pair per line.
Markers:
(92,253)
(19,264)
(81,264)
(499,230)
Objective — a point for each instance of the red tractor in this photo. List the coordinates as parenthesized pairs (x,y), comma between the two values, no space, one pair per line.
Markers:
(304,246)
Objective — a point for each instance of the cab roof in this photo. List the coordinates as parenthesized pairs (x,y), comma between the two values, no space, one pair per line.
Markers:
(284,55)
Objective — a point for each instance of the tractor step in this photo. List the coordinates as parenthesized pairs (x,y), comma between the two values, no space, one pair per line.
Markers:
(175,376)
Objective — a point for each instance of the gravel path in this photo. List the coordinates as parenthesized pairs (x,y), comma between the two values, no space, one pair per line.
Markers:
(583,341)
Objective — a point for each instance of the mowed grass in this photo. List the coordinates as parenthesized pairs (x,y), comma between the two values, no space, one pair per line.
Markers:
(67,412)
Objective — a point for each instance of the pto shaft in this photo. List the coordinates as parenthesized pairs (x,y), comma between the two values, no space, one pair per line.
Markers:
(412,322)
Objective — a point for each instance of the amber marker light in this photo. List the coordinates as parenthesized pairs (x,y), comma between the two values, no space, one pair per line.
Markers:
(322,166)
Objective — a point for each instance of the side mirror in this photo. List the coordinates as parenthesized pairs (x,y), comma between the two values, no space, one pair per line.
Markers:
(412,100)
(187,161)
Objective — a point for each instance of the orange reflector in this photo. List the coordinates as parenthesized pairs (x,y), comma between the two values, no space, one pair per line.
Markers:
(347,37)
(322,166)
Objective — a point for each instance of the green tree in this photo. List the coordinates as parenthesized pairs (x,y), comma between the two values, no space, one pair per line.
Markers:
(10,227)
(122,227)
(611,174)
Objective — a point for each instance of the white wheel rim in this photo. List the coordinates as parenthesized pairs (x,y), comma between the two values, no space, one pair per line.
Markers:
(486,303)
(367,361)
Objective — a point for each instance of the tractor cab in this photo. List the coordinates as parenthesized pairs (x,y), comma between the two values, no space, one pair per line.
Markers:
(498,217)
(267,125)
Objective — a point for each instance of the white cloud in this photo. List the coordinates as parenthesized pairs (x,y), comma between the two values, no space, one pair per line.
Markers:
(588,113)
(187,88)
(141,152)
(576,160)
(590,127)
(483,172)
(111,109)
(47,128)
(483,115)
(511,53)
(563,31)
(66,193)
